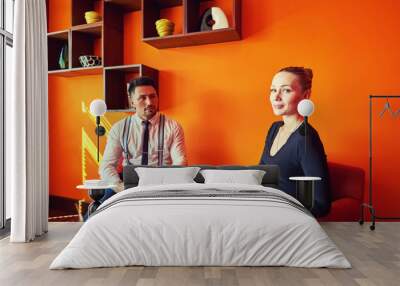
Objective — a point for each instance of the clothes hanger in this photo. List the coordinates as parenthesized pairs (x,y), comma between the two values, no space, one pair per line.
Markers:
(387,107)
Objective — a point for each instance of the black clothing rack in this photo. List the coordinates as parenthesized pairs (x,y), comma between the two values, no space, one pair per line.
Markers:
(370,205)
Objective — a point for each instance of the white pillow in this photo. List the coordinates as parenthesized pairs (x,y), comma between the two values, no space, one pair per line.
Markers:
(165,176)
(248,177)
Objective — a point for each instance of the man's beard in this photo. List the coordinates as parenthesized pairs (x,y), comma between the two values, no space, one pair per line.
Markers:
(150,111)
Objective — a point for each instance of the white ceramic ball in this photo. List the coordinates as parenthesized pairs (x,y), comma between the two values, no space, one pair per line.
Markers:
(98,107)
(305,107)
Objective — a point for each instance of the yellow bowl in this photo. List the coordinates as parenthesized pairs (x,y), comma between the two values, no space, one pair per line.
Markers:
(163,21)
(164,34)
(92,14)
(165,27)
(165,24)
(92,20)
(162,29)
(98,18)
(165,31)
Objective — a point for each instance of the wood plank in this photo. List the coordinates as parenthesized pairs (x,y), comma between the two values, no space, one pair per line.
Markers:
(93,29)
(27,263)
(61,35)
(127,5)
(194,39)
(98,70)
(127,68)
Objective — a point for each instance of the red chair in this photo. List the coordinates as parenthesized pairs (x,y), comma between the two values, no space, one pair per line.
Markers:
(347,190)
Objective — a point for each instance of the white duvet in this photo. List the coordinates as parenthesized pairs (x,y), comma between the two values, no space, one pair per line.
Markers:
(200,231)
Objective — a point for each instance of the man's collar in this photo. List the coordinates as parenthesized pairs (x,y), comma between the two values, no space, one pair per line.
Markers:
(153,121)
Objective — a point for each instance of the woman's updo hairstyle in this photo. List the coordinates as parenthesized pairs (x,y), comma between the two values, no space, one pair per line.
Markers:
(305,75)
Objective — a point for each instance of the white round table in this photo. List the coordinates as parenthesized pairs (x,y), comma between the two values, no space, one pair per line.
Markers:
(305,178)
(96,192)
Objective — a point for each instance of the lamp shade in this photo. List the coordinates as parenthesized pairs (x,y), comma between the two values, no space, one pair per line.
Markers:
(98,107)
(305,107)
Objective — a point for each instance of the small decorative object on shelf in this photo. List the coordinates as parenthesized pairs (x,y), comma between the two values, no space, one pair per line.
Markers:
(90,61)
(213,19)
(165,27)
(63,59)
(92,17)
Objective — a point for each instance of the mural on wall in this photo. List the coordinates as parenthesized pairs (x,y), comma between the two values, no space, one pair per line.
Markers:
(88,165)
(227,85)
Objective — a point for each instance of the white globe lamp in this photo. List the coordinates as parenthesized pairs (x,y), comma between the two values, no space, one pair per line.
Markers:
(305,108)
(97,108)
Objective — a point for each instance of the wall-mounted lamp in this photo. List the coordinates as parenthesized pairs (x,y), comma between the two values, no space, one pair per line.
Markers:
(97,108)
(305,109)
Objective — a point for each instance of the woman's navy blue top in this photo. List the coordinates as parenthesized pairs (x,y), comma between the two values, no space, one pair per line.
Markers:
(294,161)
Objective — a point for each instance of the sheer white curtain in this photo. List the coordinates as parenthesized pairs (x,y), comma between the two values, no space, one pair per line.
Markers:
(27,124)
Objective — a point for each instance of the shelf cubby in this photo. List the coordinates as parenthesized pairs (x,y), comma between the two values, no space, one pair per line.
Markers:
(114,14)
(79,7)
(113,33)
(154,10)
(191,34)
(116,81)
(195,10)
(86,39)
(55,42)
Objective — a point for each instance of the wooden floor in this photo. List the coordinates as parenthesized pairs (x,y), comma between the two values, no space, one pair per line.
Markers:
(375,257)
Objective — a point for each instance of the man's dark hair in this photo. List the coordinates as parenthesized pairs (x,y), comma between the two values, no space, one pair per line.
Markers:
(140,81)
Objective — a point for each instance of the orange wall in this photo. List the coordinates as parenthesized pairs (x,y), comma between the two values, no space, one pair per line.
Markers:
(219,92)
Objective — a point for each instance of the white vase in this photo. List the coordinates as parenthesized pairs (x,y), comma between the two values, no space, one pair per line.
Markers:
(221,22)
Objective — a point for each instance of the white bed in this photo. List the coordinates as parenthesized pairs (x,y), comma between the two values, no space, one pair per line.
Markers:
(205,230)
